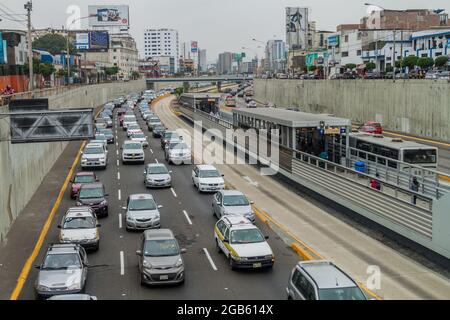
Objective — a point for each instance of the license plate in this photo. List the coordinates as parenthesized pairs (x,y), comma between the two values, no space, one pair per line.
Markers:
(257,265)
(165,277)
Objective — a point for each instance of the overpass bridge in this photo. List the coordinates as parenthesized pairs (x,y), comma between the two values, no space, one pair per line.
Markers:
(218,79)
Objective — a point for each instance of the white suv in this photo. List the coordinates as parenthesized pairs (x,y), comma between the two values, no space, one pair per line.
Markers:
(132,151)
(207,178)
(94,155)
(128,118)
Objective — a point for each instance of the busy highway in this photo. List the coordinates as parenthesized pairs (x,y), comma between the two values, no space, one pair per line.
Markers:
(113,272)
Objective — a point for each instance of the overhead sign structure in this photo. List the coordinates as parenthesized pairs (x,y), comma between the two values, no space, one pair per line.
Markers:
(43,125)
(297,28)
(109,15)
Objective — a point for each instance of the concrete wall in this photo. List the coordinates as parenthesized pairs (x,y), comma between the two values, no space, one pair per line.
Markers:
(23,166)
(418,107)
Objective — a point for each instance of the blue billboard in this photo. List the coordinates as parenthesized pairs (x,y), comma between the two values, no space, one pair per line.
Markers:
(2,50)
(98,40)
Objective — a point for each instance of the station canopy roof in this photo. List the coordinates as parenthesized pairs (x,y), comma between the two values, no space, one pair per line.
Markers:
(293,119)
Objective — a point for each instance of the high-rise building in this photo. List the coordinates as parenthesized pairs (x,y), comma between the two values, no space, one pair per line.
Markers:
(225,63)
(275,56)
(162,42)
(202,64)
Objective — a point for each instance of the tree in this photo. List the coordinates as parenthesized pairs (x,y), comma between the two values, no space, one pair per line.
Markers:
(135,75)
(36,66)
(370,66)
(389,68)
(425,62)
(399,63)
(53,43)
(46,69)
(350,66)
(410,62)
(112,71)
(312,68)
(440,61)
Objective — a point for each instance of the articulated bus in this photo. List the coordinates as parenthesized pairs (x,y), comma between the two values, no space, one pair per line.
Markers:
(368,146)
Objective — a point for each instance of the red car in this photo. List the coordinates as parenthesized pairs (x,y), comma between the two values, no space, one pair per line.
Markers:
(80,179)
(372,127)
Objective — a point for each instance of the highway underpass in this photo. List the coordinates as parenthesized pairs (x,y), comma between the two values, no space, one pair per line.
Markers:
(352,246)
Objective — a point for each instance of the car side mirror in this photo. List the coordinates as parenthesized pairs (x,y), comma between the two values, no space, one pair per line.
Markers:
(266,237)
(81,152)
(139,252)
(98,225)
(226,240)
(59,226)
(124,208)
(106,194)
(252,202)
(223,175)
(183,251)
(170,171)
(218,203)
(159,206)
(37,266)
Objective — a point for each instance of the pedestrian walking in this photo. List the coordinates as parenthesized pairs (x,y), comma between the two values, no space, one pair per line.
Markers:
(375,183)
(414,187)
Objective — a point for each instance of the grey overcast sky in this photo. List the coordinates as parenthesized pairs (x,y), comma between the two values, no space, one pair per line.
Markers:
(217,25)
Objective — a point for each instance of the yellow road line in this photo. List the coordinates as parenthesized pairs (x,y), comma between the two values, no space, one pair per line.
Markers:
(26,268)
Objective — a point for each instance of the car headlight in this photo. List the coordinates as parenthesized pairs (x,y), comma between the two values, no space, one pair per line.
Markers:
(42,288)
(147,265)
(103,203)
(79,203)
(179,263)
(75,286)
(269,256)
(130,218)
(103,159)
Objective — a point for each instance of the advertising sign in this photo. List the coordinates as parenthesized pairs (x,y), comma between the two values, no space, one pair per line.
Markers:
(109,15)
(194,46)
(333,41)
(3,50)
(297,28)
(98,40)
(82,41)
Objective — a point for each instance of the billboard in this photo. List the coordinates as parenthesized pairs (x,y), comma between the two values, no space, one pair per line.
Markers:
(3,50)
(297,28)
(82,41)
(98,40)
(333,41)
(109,15)
(194,46)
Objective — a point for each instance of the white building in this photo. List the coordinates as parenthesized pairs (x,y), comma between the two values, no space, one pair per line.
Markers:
(124,53)
(431,43)
(162,42)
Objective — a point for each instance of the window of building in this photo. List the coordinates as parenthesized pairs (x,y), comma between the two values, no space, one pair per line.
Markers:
(358,53)
(424,55)
(346,38)
(345,53)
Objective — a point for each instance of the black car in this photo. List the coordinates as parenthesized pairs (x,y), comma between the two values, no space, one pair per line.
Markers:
(94,196)
(158,131)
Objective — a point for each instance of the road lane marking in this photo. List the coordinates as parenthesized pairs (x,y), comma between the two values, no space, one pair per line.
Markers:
(210,259)
(120,221)
(117,152)
(151,151)
(118,175)
(28,264)
(119,194)
(156,160)
(187,217)
(118,164)
(122,264)
(173,191)
(117,144)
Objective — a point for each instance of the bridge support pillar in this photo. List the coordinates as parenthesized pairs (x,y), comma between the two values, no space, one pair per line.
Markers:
(219,85)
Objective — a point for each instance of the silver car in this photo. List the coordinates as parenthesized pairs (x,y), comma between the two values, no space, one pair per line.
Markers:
(156,175)
(321,280)
(160,260)
(79,225)
(142,212)
(232,202)
(63,271)
(178,152)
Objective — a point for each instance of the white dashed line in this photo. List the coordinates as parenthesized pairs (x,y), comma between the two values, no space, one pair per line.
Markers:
(210,259)
(173,191)
(151,151)
(122,264)
(117,152)
(117,144)
(119,194)
(156,160)
(118,175)
(120,221)
(118,164)
(187,217)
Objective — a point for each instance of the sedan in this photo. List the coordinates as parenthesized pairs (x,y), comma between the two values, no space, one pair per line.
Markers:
(142,212)
(232,202)
(80,179)
(156,175)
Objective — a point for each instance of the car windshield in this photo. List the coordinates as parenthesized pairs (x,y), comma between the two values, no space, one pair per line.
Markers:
(208,174)
(178,146)
(138,135)
(93,150)
(351,293)
(79,223)
(130,118)
(419,156)
(142,204)
(84,179)
(157,170)
(61,261)
(131,146)
(159,128)
(161,248)
(100,137)
(133,127)
(154,120)
(237,200)
(91,193)
(171,135)
(246,236)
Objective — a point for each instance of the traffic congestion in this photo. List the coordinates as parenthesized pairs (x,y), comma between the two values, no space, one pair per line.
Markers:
(147,163)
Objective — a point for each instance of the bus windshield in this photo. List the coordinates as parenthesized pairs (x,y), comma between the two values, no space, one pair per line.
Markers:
(420,156)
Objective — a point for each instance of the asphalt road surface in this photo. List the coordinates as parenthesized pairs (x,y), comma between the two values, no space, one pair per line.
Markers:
(112,277)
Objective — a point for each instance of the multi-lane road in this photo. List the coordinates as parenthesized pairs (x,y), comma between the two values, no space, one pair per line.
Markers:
(114,273)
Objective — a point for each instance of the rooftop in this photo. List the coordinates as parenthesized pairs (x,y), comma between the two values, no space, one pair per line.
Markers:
(293,119)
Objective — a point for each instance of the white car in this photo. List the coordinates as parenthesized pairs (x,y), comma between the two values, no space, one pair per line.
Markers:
(79,225)
(140,137)
(94,155)
(206,178)
(178,152)
(132,131)
(243,243)
(100,138)
(252,104)
(132,151)
(128,119)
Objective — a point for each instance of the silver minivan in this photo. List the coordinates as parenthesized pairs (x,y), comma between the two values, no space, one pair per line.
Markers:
(160,260)
(321,280)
